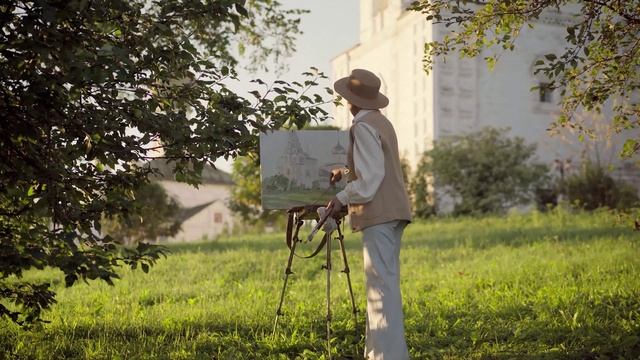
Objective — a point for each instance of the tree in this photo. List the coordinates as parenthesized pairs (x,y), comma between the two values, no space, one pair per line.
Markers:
(483,172)
(246,193)
(153,214)
(89,89)
(599,65)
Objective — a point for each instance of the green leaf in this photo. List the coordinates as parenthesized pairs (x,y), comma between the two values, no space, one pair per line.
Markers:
(491,62)
(630,148)
(132,82)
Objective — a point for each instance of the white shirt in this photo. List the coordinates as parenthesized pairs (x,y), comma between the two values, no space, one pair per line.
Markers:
(368,160)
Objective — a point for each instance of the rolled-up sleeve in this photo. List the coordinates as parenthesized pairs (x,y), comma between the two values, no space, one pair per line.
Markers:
(368,158)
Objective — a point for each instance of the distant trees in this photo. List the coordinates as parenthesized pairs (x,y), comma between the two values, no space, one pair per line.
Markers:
(246,200)
(481,172)
(488,171)
(153,215)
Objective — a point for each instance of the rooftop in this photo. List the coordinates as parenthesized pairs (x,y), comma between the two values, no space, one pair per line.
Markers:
(210,175)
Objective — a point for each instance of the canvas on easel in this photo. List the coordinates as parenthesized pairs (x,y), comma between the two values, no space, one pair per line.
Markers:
(295,166)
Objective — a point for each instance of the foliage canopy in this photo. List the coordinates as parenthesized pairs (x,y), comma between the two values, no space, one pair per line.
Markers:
(90,88)
(482,172)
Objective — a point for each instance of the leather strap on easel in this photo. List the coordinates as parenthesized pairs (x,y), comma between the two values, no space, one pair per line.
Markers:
(292,236)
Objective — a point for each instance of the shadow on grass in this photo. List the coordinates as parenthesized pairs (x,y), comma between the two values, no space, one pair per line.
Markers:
(470,331)
(192,340)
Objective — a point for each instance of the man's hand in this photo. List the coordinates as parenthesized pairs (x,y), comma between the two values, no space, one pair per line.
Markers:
(336,175)
(335,206)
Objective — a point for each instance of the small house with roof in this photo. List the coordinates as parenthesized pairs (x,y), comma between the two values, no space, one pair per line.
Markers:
(204,213)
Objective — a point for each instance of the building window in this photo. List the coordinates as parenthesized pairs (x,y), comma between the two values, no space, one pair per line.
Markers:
(217,218)
(542,96)
(545,92)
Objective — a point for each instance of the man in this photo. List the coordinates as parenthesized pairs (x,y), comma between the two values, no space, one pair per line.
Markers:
(379,207)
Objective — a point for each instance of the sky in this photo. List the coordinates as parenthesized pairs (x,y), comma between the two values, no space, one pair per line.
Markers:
(330,28)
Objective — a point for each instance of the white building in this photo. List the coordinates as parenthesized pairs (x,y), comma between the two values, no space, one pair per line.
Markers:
(204,213)
(459,95)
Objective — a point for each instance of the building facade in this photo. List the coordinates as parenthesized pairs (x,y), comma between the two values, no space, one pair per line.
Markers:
(459,95)
(204,214)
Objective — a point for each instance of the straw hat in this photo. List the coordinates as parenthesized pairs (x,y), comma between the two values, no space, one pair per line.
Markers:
(362,89)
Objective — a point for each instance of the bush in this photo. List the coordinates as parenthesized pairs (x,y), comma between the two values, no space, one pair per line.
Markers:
(484,172)
(421,190)
(546,196)
(593,188)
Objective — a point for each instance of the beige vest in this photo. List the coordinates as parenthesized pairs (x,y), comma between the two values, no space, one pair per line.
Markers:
(390,201)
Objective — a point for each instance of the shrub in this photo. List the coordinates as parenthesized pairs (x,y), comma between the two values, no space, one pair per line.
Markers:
(484,172)
(592,187)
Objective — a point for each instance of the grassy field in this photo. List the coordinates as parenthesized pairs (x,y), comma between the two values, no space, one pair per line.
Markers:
(557,286)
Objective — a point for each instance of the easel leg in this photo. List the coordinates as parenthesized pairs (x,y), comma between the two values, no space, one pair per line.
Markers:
(327,266)
(287,272)
(347,271)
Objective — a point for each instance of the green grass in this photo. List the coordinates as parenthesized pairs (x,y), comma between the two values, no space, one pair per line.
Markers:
(557,286)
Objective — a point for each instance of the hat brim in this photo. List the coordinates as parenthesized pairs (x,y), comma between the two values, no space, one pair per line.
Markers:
(341,86)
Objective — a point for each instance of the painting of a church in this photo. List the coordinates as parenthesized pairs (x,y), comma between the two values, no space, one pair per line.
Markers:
(296,166)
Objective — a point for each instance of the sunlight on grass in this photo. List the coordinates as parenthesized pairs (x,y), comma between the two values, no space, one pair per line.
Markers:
(535,286)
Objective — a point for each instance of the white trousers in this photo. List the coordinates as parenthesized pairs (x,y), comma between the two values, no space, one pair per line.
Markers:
(384,328)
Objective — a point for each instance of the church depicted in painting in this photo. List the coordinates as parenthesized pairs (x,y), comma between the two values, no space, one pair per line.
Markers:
(296,165)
